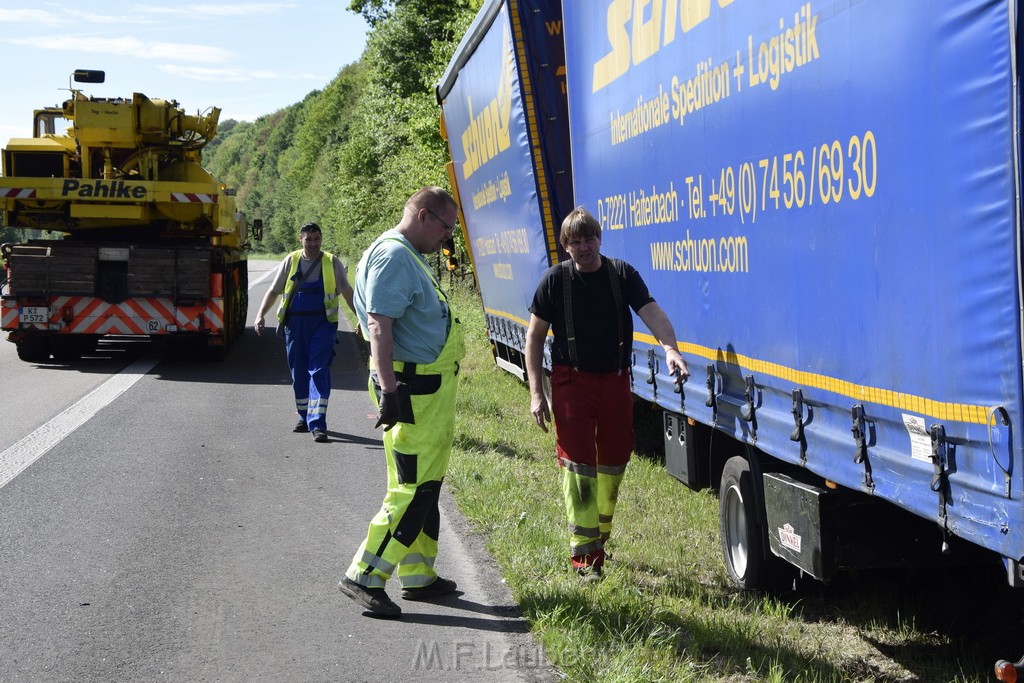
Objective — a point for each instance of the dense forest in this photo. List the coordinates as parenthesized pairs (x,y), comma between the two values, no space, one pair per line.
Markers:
(348,156)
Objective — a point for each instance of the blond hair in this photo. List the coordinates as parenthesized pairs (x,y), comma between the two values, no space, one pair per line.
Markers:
(580,224)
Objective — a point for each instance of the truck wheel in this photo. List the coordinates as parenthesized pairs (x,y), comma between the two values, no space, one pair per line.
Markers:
(242,309)
(67,348)
(33,348)
(214,353)
(230,309)
(742,535)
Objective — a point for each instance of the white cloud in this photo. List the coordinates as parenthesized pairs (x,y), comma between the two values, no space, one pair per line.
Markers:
(200,73)
(211,10)
(79,16)
(128,46)
(66,17)
(30,16)
(195,51)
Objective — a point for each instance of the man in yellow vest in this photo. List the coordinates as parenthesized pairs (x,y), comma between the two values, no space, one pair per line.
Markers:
(311,281)
(415,346)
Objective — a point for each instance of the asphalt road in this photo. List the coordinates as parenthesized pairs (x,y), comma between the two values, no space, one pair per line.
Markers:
(159,521)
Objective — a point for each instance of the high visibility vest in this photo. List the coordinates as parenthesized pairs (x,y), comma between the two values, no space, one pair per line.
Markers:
(326,276)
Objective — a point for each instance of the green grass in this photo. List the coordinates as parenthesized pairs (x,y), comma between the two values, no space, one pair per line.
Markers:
(666,610)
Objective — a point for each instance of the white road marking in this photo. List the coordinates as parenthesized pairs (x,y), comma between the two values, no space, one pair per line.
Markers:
(266,276)
(15,459)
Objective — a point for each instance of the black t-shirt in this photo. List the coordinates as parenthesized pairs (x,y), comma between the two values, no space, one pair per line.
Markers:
(594,315)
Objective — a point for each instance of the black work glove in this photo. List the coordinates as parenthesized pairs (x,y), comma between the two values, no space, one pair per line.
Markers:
(393,407)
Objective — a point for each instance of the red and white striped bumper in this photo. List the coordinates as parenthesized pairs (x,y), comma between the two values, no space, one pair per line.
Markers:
(149,316)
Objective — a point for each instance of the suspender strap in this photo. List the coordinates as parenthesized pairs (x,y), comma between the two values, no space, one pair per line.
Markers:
(287,301)
(570,329)
(619,310)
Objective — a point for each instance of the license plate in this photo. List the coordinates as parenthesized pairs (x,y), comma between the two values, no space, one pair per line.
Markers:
(35,314)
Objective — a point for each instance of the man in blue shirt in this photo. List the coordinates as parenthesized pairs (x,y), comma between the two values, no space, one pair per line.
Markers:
(415,346)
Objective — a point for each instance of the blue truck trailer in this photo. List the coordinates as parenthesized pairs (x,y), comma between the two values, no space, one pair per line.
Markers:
(505,118)
(825,199)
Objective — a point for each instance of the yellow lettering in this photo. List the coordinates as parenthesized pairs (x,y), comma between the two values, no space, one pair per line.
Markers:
(616,62)
(489,133)
(632,44)
(503,271)
(645,33)
(694,12)
(702,255)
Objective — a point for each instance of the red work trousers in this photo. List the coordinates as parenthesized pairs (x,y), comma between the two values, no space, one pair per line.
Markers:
(594,433)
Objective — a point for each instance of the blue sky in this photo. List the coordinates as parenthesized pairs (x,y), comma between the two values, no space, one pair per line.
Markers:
(248,58)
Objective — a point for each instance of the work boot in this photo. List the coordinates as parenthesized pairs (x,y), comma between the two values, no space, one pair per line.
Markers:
(320,436)
(432,590)
(300,426)
(374,600)
(589,574)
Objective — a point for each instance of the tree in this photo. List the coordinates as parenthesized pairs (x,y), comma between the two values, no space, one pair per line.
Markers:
(348,156)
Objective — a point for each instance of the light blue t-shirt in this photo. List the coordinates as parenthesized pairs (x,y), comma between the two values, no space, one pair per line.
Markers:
(391,280)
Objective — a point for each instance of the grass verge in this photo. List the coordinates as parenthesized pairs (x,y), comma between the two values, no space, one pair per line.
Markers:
(666,611)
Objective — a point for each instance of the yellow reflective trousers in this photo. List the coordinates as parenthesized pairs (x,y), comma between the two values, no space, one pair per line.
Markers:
(403,534)
(591,495)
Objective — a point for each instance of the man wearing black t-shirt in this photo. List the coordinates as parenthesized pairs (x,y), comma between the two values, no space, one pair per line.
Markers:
(586,303)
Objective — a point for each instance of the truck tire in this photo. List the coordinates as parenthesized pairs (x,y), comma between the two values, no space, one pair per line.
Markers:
(743,537)
(33,348)
(242,308)
(214,353)
(68,348)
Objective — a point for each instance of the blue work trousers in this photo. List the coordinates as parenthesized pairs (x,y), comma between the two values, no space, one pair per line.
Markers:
(309,342)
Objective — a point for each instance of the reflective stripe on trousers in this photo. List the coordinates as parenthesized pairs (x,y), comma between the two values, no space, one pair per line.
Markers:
(309,343)
(403,534)
(594,426)
(590,508)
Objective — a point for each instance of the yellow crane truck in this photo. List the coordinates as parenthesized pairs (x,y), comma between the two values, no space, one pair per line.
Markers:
(145,241)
